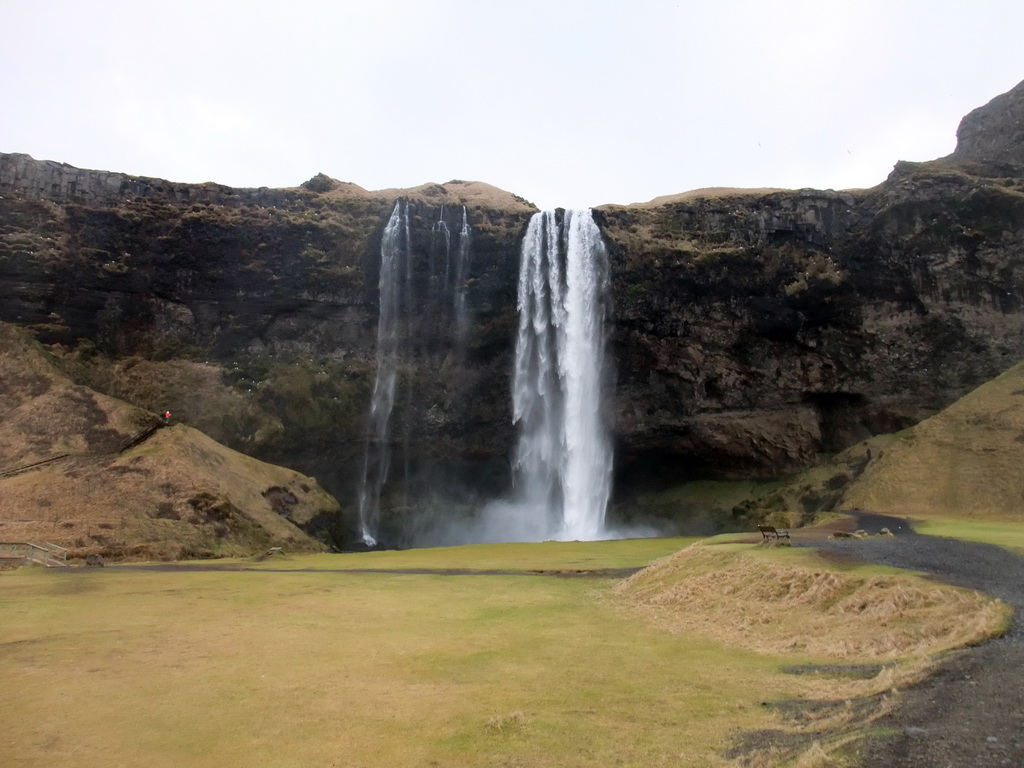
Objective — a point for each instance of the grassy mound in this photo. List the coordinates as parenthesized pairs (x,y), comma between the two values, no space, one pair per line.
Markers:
(98,476)
(473,194)
(784,602)
(180,494)
(962,462)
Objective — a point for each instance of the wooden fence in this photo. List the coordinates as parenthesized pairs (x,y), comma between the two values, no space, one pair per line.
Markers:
(39,552)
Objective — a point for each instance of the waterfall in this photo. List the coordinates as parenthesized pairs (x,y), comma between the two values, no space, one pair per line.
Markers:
(441,226)
(563,459)
(461,273)
(394,255)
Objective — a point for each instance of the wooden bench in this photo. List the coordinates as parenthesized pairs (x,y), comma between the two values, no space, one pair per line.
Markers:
(771,533)
(270,553)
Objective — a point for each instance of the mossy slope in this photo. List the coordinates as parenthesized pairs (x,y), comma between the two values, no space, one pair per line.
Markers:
(111,478)
(962,463)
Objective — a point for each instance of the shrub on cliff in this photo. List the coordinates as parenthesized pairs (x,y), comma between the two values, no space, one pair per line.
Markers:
(320,183)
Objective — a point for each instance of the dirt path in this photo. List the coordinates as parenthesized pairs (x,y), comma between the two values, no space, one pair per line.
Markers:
(575,573)
(970,713)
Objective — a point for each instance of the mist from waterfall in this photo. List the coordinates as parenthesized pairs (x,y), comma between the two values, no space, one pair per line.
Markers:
(395,273)
(563,459)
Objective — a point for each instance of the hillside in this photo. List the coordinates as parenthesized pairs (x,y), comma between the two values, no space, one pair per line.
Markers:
(963,462)
(96,475)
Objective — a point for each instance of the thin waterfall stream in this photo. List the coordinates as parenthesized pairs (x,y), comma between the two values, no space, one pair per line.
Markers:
(394,276)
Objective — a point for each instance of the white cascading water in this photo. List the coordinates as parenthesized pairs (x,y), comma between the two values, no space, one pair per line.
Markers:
(441,226)
(394,253)
(461,273)
(563,460)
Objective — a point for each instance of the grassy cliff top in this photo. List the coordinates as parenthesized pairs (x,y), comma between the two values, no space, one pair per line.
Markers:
(708,193)
(473,194)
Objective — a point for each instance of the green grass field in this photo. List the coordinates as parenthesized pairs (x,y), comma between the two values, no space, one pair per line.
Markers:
(1009,534)
(545,556)
(314,664)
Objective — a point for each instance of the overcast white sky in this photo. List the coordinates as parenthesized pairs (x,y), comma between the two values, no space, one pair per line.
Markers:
(567,103)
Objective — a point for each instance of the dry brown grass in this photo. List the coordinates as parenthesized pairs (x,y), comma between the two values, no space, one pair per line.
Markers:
(178,493)
(196,393)
(708,193)
(962,462)
(472,194)
(42,413)
(786,603)
(779,603)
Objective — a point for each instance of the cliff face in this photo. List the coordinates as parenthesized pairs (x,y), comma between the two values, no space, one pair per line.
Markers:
(993,135)
(752,330)
(756,331)
(252,314)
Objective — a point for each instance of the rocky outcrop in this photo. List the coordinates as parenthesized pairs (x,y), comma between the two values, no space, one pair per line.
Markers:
(45,179)
(993,135)
(753,330)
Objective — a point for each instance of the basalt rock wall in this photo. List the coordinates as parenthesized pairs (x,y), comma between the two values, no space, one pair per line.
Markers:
(755,331)
(752,331)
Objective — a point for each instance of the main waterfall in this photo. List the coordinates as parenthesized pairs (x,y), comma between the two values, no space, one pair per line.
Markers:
(563,459)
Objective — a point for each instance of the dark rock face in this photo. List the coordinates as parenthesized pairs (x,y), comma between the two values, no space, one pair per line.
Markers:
(252,314)
(752,331)
(994,134)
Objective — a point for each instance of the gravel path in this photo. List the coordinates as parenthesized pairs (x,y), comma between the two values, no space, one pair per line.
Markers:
(970,713)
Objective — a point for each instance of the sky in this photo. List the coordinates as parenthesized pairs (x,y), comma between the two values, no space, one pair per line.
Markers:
(564,102)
